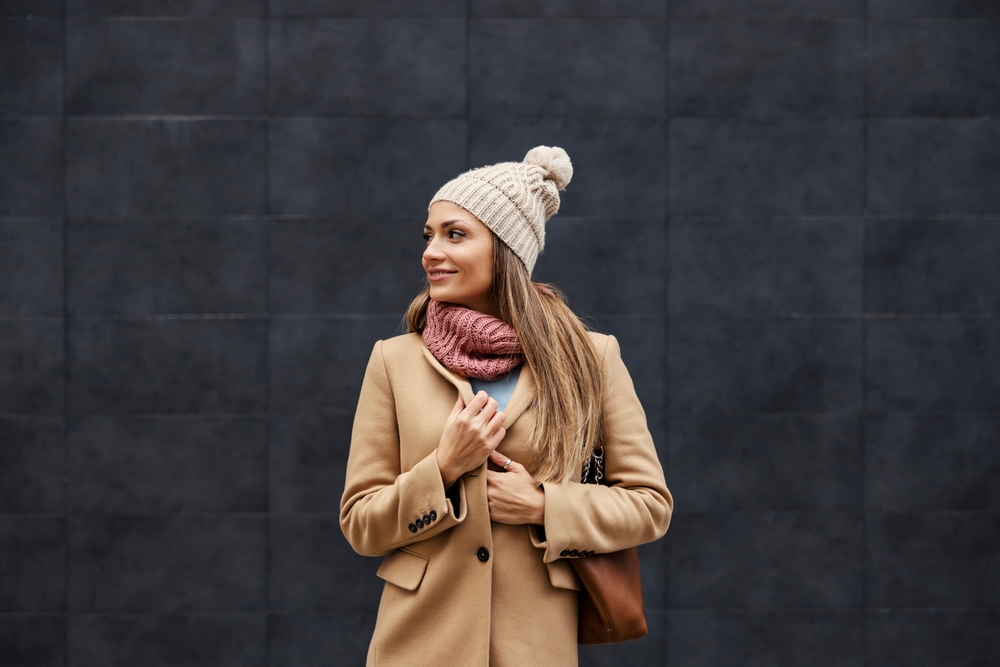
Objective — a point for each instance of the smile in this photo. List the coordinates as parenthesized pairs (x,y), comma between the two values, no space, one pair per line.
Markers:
(437,275)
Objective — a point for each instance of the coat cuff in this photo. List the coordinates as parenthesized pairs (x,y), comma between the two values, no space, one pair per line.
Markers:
(427,510)
(562,511)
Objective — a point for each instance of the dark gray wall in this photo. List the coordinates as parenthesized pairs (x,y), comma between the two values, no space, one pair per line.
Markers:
(788,211)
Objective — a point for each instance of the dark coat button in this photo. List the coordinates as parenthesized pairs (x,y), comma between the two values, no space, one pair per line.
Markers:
(427,519)
(590,553)
(413,527)
(574,553)
(564,553)
(483,554)
(433,515)
(420,524)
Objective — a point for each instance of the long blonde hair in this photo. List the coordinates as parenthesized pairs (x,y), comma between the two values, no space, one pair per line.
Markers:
(562,359)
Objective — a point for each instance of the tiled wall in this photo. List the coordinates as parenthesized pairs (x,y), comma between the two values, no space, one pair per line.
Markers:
(788,211)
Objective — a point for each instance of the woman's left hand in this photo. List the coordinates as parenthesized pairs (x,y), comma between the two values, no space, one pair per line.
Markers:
(514,497)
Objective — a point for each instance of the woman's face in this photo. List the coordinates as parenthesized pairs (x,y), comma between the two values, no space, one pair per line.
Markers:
(459,257)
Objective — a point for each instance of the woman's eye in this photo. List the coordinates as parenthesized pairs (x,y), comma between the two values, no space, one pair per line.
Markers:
(427,238)
(452,234)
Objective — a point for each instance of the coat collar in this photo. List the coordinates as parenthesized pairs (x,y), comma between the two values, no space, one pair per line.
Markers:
(524,390)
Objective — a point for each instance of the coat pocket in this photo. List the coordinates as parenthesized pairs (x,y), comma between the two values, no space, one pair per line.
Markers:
(404,569)
(561,575)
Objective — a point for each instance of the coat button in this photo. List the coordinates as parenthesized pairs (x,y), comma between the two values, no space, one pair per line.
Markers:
(427,519)
(574,553)
(564,553)
(420,524)
(413,527)
(433,515)
(483,554)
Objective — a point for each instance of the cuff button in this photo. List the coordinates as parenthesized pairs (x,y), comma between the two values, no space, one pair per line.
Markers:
(564,553)
(420,524)
(413,527)
(433,515)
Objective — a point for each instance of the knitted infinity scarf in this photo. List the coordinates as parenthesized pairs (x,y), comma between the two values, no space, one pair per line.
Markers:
(471,343)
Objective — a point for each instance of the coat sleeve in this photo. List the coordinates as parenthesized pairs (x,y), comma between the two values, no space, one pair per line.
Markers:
(635,507)
(383,507)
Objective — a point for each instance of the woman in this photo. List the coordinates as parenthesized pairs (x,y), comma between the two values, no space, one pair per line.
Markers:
(471,434)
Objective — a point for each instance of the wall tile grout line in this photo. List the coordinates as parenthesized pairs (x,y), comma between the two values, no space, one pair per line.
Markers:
(334,514)
(840,610)
(334,116)
(332,609)
(338,219)
(624,315)
(468,85)
(349,412)
(865,658)
(267,334)
(550,19)
(667,221)
(66,373)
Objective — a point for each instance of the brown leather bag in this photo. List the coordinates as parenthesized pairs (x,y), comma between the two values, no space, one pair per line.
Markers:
(611,608)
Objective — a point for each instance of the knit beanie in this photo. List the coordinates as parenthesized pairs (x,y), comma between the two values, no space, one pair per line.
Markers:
(514,199)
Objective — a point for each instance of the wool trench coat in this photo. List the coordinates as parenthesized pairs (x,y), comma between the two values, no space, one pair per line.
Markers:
(459,589)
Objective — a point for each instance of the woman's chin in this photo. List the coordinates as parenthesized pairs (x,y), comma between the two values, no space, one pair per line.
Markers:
(443,294)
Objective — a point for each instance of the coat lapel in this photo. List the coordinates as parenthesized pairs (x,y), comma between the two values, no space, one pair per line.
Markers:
(524,390)
(462,384)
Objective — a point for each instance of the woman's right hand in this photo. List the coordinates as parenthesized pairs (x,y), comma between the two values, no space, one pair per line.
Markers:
(471,433)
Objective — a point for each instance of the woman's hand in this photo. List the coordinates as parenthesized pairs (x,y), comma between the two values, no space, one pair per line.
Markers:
(471,433)
(514,497)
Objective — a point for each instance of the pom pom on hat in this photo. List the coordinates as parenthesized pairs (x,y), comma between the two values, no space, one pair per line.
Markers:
(514,199)
(554,161)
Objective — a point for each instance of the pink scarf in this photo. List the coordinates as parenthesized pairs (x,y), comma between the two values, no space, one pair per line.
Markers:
(471,343)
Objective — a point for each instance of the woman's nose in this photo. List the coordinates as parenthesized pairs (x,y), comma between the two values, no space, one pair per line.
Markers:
(432,252)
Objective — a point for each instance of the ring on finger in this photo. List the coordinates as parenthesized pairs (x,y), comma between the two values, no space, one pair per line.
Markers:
(507,464)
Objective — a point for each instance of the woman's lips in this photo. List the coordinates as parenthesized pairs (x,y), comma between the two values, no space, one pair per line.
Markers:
(438,276)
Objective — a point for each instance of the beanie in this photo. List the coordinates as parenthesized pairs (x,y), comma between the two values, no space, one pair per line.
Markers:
(514,199)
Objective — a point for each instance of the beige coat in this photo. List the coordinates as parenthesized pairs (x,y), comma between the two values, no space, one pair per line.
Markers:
(461,590)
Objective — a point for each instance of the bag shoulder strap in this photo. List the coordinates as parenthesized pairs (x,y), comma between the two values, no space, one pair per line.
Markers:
(594,467)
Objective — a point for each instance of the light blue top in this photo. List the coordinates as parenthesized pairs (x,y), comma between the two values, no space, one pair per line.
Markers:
(500,390)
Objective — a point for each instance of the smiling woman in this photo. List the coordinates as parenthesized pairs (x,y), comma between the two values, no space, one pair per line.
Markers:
(475,497)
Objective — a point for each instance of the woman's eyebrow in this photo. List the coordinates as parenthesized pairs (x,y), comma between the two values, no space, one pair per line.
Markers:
(444,224)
